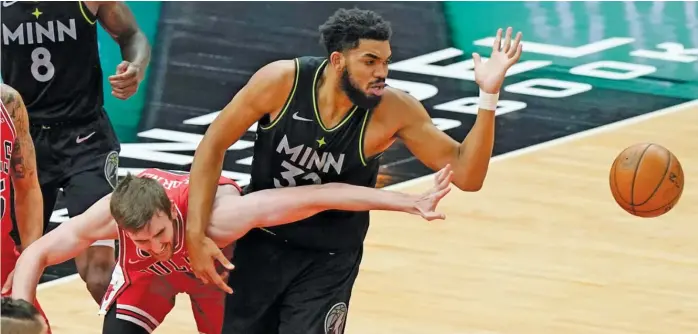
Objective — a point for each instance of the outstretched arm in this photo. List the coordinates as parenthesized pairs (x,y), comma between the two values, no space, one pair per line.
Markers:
(28,202)
(63,243)
(470,159)
(234,216)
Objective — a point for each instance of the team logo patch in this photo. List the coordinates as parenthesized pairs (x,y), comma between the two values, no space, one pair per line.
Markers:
(111,168)
(336,318)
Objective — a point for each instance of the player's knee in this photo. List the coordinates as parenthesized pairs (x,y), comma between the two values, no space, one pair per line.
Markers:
(97,279)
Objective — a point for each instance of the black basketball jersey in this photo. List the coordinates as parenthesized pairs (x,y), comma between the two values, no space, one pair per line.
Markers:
(297,149)
(49,55)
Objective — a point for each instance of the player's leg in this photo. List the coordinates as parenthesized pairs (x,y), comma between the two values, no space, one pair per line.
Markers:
(207,305)
(317,301)
(136,307)
(94,265)
(117,325)
(263,269)
(94,150)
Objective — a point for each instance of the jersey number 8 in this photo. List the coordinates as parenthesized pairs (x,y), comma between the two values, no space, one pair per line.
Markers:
(41,62)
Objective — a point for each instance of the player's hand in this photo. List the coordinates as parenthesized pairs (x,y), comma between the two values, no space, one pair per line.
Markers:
(126,80)
(202,256)
(489,75)
(8,283)
(427,203)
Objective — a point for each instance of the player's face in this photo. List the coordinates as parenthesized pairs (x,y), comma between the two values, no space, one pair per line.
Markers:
(365,71)
(156,238)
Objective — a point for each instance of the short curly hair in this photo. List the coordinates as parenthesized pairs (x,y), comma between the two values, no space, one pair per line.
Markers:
(343,30)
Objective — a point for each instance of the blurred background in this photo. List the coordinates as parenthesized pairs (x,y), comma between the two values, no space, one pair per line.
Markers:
(585,64)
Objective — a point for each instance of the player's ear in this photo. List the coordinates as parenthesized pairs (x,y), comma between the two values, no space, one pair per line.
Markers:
(337,60)
(173,211)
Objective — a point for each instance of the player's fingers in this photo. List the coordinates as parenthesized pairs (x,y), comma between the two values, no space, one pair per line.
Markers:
(224,261)
(507,41)
(124,84)
(446,180)
(438,176)
(434,216)
(476,60)
(442,193)
(128,83)
(497,41)
(122,67)
(516,56)
(121,96)
(218,280)
(515,45)
(129,74)
(125,91)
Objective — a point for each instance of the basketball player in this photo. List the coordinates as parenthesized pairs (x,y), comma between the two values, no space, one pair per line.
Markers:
(148,215)
(18,170)
(325,120)
(50,56)
(21,317)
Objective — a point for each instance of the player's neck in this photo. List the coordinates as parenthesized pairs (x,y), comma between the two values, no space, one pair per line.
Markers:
(332,101)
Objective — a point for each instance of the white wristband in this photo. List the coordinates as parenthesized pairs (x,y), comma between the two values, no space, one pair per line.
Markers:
(488,101)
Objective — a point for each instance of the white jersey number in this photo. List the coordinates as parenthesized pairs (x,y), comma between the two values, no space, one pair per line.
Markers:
(41,62)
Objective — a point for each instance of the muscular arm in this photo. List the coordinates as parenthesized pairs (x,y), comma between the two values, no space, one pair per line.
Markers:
(63,243)
(234,216)
(117,19)
(470,159)
(265,93)
(28,202)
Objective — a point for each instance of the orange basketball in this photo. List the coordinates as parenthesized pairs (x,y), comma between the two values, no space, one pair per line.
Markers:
(646,180)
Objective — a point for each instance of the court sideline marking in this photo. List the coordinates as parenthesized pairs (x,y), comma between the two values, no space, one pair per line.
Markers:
(515,153)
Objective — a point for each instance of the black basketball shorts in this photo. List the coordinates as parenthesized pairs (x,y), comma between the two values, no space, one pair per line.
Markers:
(81,158)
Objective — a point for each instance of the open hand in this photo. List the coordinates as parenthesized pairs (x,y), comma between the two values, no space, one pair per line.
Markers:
(427,203)
(202,256)
(489,75)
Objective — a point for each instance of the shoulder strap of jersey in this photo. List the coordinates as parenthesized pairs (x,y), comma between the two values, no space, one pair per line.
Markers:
(310,70)
(8,118)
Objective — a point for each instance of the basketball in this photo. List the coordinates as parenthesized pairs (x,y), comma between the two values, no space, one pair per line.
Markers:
(646,180)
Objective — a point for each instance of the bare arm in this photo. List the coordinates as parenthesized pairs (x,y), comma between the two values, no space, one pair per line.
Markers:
(63,243)
(117,19)
(28,202)
(234,216)
(265,93)
(470,159)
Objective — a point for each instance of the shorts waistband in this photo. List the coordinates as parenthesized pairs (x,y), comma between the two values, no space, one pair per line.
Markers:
(62,124)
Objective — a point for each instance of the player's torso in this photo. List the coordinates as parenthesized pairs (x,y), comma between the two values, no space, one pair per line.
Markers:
(297,149)
(7,139)
(50,56)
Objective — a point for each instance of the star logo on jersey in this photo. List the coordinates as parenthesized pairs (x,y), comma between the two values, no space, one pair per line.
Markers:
(321,142)
(36,13)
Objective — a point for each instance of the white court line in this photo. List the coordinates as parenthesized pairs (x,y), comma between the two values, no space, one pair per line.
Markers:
(515,153)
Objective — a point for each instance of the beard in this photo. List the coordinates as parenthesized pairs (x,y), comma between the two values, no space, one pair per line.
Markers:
(356,95)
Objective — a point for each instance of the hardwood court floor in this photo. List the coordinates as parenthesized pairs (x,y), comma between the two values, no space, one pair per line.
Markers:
(542,249)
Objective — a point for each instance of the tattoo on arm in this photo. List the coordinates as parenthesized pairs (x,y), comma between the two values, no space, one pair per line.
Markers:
(22,161)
